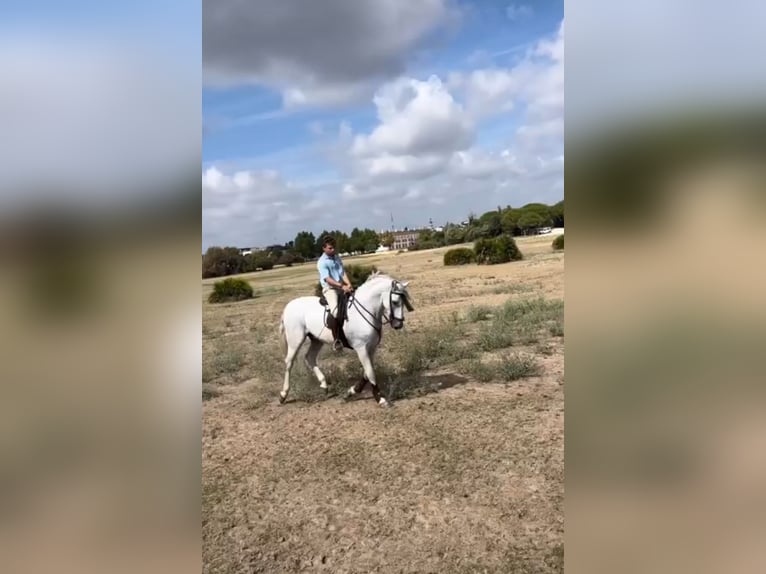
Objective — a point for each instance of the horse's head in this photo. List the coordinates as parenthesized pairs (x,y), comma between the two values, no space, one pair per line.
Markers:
(397,300)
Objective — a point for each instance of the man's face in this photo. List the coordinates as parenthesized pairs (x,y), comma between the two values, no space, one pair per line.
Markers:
(329,249)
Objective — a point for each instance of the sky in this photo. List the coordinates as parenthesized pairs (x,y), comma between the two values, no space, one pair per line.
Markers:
(100,102)
(340,114)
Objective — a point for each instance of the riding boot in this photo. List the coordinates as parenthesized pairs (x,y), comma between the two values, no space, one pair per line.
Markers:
(335,328)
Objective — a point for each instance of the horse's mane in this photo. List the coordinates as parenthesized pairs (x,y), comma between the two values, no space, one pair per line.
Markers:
(375,275)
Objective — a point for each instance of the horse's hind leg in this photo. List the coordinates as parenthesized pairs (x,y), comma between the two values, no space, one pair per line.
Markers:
(311,361)
(292,351)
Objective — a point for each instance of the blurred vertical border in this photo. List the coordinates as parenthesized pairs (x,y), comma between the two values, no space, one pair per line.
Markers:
(100,225)
(665,180)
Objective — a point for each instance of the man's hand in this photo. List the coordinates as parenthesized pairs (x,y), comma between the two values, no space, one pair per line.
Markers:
(347,288)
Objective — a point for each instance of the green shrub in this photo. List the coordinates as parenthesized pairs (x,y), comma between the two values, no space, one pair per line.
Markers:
(459,256)
(558,243)
(501,249)
(265,264)
(230,289)
(288,259)
(358,274)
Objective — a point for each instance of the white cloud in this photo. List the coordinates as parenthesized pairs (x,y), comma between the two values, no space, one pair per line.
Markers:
(406,167)
(477,165)
(421,126)
(488,91)
(429,127)
(316,53)
(421,160)
(416,118)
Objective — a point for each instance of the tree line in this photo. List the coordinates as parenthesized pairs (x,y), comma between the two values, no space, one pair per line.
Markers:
(222,261)
(501,221)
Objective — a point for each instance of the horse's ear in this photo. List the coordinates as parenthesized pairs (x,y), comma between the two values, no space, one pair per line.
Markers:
(405,283)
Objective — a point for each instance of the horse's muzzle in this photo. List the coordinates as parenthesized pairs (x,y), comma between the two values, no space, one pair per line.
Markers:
(397,323)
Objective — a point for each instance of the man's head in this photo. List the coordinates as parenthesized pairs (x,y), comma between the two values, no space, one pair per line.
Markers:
(328,245)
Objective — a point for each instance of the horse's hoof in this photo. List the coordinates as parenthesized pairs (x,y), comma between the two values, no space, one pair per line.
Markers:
(384,404)
(282,399)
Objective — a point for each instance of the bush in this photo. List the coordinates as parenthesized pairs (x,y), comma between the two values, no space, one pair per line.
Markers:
(501,249)
(230,289)
(459,256)
(264,264)
(358,274)
(558,243)
(221,261)
(288,259)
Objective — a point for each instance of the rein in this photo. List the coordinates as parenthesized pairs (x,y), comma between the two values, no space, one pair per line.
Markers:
(385,320)
(359,307)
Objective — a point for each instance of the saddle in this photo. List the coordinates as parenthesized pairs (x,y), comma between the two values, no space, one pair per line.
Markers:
(336,326)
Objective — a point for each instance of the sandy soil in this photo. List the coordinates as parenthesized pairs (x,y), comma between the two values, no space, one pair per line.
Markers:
(466,478)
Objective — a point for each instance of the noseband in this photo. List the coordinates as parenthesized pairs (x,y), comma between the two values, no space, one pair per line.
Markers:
(390,318)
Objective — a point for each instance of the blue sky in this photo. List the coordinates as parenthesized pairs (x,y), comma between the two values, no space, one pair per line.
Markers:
(412,108)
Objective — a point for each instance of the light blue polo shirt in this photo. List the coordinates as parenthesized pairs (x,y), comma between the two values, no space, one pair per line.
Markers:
(329,267)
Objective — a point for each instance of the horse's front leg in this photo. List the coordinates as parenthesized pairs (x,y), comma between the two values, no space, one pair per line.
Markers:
(365,357)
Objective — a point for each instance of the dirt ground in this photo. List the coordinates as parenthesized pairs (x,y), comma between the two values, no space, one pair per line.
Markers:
(465,476)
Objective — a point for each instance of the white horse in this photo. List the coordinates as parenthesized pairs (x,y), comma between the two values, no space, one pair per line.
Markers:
(377,301)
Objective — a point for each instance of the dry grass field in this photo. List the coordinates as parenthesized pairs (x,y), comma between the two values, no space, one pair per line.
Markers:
(464,474)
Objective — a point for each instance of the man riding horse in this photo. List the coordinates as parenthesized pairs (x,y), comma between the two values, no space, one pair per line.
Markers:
(333,280)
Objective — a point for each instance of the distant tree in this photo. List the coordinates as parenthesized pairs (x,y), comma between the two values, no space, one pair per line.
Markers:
(425,236)
(289,258)
(490,224)
(305,244)
(386,239)
(557,214)
(540,209)
(531,220)
(221,261)
(509,221)
(454,234)
(371,242)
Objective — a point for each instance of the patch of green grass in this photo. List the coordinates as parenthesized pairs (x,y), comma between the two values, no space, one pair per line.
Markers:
(520,322)
(557,329)
(544,349)
(478,370)
(494,336)
(478,313)
(223,363)
(506,369)
(517,367)
(340,371)
(431,348)
(511,288)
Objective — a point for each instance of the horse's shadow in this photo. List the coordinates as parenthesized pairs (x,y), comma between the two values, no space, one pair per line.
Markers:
(393,386)
(398,387)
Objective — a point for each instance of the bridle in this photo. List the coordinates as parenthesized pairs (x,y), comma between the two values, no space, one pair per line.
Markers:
(384,320)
